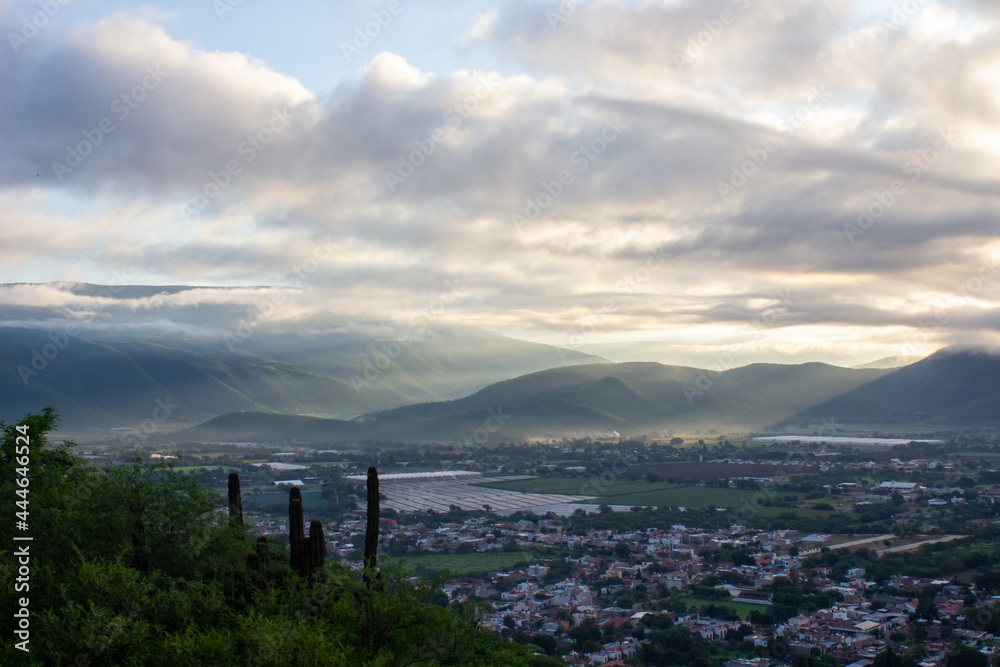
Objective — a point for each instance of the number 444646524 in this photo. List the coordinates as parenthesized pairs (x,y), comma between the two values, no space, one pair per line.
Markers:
(22,452)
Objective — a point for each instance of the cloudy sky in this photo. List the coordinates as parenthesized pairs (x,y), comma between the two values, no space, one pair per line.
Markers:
(672,180)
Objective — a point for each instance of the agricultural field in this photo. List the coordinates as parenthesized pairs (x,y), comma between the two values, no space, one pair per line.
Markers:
(209,468)
(462,564)
(742,609)
(700,470)
(278,502)
(632,493)
(680,496)
(805,512)
(564,485)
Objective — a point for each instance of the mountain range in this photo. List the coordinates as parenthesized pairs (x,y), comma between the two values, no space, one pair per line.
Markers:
(951,387)
(113,381)
(190,373)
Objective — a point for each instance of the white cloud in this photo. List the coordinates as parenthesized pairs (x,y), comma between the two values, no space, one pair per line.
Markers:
(491,146)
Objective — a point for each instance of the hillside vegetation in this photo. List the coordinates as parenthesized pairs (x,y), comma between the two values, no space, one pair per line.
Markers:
(134,566)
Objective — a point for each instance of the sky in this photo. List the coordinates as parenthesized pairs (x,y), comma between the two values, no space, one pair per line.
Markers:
(710,181)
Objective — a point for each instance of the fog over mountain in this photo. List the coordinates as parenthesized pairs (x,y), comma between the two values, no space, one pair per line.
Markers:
(107,356)
(610,401)
(113,357)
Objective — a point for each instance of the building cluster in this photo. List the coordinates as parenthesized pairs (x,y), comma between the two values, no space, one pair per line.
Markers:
(670,565)
(622,585)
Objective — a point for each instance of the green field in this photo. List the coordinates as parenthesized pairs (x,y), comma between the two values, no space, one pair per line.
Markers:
(742,608)
(806,512)
(979,455)
(631,493)
(567,485)
(188,469)
(461,564)
(278,502)
(680,496)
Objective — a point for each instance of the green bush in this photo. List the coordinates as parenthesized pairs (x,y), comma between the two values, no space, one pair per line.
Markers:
(134,566)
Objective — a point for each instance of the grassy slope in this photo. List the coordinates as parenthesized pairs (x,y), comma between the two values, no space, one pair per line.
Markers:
(947,387)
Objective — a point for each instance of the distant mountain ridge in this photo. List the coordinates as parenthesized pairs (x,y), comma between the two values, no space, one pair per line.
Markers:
(952,386)
(590,399)
(102,380)
(891,362)
(634,398)
(646,396)
(150,346)
(103,384)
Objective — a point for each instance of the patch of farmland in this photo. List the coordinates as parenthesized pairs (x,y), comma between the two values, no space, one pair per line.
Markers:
(462,564)
(585,486)
(629,494)
(742,609)
(711,470)
(683,496)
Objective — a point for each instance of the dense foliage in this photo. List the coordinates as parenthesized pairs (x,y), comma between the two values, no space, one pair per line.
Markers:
(135,565)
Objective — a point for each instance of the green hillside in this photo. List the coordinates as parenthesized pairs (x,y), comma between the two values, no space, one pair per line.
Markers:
(589,399)
(111,379)
(138,568)
(949,387)
(98,385)
(632,397)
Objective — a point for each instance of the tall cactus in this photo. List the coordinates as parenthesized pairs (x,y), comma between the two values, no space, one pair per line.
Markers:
(317,545)
(371,529)
(296,531)
(235,499)
(307,555)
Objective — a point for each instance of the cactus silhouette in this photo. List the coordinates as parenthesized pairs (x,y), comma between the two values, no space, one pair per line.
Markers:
(296,531)
(317,545)
(307,555)
(371,529)
(235,499)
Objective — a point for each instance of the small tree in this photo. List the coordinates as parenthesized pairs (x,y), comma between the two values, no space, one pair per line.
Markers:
(888,658)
